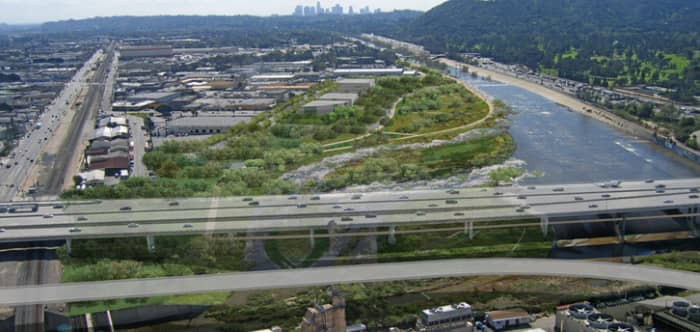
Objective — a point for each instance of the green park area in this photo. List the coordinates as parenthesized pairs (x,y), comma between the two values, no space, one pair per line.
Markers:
(437,108)
(251,158)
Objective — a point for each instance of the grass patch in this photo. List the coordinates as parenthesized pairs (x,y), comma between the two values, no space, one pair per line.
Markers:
(686,260)
(295,253)
(81,308)
(437,108)
(409,165)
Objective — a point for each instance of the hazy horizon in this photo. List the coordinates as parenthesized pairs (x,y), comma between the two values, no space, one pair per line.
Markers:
(40,11)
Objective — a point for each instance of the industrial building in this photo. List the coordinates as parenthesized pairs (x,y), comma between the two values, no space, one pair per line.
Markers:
(202,125)
(355,85)
(321,106)
(92,178)
(505,319)
(109,133)
(350,98)
(326,318)
(450,317)
(146,51)
(583,317)
(112,121)
(159,97)
(328,102)
(366,72)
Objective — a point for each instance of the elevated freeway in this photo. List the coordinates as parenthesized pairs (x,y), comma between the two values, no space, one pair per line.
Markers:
(545,204)
(135,288)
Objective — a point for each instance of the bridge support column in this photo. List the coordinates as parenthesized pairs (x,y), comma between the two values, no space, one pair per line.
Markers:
(544,225)
(469,229)
(620,228)
(392,234)
(69,247)
(312,240)
(150,243)
(693,222)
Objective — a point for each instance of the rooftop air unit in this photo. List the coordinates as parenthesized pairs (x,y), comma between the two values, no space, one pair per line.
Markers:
(620,327)
(581,310)
(600,321)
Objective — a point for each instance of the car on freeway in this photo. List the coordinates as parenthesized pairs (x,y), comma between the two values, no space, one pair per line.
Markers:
(132,225)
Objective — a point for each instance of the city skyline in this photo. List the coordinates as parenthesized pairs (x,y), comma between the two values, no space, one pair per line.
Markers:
(34,11)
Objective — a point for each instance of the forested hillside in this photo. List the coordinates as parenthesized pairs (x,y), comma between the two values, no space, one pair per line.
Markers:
(601,41)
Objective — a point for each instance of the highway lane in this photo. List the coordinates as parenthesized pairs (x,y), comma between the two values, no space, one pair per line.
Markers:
(29,150)
(234,214)
(135,288)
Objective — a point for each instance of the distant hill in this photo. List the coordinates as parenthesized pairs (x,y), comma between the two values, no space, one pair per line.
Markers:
(134,24)
(623,41)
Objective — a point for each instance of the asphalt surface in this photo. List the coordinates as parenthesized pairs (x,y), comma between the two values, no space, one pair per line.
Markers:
(29,150)
(138,136)
(94,99)
(92,291)
(134,218)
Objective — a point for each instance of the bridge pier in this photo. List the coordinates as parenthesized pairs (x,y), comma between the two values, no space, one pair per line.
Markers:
(620,228)
(150,243)
(69,247)
(469,229)
(693,222)
(312,240)
(392,234)
(544,225)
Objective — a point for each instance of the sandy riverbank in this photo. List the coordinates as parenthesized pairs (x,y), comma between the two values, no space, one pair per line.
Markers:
(560,98)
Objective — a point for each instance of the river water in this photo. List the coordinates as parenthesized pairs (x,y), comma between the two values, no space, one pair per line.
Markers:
(569,147)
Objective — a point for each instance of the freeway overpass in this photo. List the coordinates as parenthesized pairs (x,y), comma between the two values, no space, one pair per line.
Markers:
(135,288)
(547,205)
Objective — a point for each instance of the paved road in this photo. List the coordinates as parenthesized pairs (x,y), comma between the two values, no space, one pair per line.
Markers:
(29,150)
(94,99)
(283,213)
(138,136)
(92,291)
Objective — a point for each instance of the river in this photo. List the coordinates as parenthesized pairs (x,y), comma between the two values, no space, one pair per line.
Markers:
(570,147)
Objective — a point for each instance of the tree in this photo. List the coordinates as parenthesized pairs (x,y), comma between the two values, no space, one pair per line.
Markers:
(168,169)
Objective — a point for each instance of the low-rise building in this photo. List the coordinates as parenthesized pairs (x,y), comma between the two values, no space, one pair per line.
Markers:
(112,121)
(447,318)
(110,133)
(367,72)
(504,319)
(326,318)
(350,98)
(321,106)
(146,51)
(583,317)
(94,177)
(355,85)
(202,125)
(110,166)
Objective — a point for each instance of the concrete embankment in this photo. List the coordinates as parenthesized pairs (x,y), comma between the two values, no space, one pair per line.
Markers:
(560,98)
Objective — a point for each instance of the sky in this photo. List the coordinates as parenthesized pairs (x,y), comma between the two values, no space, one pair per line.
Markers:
(38,11)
